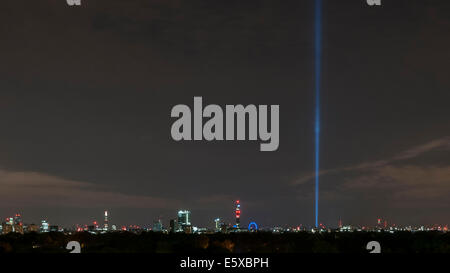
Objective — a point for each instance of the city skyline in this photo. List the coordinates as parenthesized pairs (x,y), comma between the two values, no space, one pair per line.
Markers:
(86,94)
(183,217)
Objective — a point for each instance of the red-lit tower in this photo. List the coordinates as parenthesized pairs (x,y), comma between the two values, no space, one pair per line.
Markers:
(238,213)
(18,219)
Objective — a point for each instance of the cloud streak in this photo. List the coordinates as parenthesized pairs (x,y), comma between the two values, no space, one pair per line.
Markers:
(25,189)
(414,152)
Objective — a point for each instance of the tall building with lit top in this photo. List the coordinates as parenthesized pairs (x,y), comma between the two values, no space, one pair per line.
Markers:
(18,219)
(105,223)
(45,226)
(237,212)
(217,224)
(184,220)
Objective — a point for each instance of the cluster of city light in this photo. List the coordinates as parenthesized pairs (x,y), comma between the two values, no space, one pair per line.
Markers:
(183,224)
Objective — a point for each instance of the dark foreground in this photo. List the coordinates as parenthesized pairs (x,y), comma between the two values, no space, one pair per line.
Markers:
(149,242)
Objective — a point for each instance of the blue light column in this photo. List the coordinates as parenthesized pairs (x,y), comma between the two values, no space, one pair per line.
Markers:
(318,59)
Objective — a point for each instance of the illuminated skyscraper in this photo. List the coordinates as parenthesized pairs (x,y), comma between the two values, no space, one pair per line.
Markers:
(184,220)
(105,224)
(18,219)
(44,226)
(238,214)
(218,225)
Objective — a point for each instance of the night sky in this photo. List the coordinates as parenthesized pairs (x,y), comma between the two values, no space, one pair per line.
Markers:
(86,94)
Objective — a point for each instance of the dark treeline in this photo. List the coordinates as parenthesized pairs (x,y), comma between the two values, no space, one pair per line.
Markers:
(258,242)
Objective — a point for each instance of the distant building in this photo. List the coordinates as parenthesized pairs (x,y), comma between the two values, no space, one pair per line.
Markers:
(18,229)
(18,219)
(224,228)
(184,221)
(135,229)
(106,224)
(96,226)
(157,226)
(7,228)
(173,226)
(12,225)
(347,228)
(187,229)
(238,214)
(32,228)
(200,230)
(54,228)
(217,224)
(44,226)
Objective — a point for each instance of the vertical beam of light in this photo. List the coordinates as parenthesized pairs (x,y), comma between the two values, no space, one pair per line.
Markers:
(317,62)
